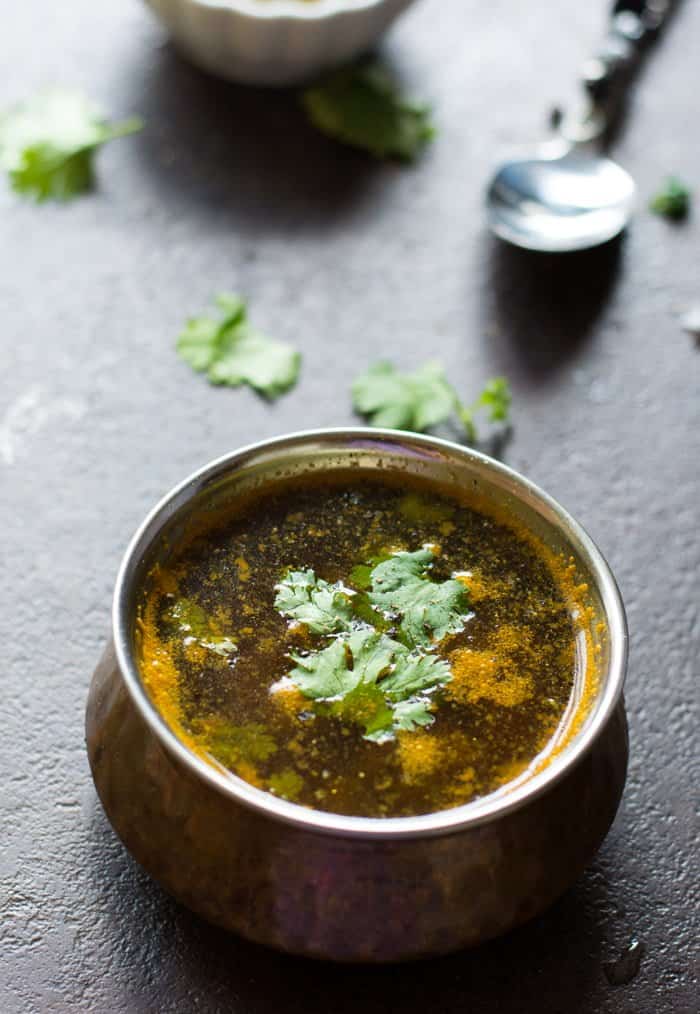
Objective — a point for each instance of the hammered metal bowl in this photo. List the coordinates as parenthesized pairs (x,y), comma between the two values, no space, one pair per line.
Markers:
(352,888)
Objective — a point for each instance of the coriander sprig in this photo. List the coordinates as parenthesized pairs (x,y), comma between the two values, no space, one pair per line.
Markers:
(231,352)
(425,398)
(48,144)
(382,680)
(495,400)
(362,106)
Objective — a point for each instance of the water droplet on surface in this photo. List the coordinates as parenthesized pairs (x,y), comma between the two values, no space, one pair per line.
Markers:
(626,967)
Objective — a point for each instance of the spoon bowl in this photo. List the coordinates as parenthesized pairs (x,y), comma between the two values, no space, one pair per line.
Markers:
(559,202)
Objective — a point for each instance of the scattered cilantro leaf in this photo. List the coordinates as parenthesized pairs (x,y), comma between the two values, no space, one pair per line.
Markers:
(231,352)
(193,621)
(363,107)
(286,784)
(495,399)
(324,608)
(199,342)
(231,744)
(673,199)
(423,399)
(48,143)
(429,610)
(404,401)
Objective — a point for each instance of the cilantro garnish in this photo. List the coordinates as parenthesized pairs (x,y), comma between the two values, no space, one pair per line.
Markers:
(428,610)
(363,107)
(48,143)
(423,399)
(362,673)
(192,621)
(231,352)
(414,674)
(672,200)
(372,679)
(405,717)
(361,656)
(324,608)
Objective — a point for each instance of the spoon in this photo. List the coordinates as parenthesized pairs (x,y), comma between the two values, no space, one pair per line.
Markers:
(570,196)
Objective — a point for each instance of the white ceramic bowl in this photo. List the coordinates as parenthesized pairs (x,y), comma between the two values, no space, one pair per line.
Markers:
(274,42)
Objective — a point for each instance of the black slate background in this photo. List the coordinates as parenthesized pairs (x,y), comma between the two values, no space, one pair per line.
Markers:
(230,188)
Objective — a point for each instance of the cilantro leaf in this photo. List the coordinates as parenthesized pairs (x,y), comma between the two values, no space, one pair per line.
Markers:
(231,352)
(365,706)
(368,678)
(198,343)
(323,675)
(404,717)
(324,608)
(429,610)
(412,713)
(495,398)
(362,106)
(405,401)
(48,142)
(362,656)
(414,674)
(423,399)
(672,200)
(390,575)
(193,622)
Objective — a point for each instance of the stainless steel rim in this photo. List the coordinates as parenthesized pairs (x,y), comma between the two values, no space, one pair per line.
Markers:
(454,820)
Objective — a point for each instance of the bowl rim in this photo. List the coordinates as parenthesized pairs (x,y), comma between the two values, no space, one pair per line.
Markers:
(466,816)
(294,10)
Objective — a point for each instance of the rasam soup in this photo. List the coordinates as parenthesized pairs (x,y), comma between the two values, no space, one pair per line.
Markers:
(364,646)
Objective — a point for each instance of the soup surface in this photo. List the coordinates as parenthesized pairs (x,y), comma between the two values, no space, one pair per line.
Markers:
(361,647)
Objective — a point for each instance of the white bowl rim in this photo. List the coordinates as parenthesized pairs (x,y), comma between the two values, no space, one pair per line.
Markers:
(459,818)
(296,10)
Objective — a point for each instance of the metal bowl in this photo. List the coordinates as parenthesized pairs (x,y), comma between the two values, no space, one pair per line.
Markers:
(353,888)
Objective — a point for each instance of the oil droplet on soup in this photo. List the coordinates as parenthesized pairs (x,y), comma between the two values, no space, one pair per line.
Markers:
(362,647)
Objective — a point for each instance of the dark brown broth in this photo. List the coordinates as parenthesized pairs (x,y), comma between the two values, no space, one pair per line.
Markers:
(513,664)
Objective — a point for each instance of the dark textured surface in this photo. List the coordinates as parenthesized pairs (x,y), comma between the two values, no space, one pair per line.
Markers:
(98,417)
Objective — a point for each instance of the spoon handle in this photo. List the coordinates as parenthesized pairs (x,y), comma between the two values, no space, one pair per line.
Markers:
(634,24)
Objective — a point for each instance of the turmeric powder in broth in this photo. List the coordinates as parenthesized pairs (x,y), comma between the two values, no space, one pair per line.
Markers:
(360,646)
